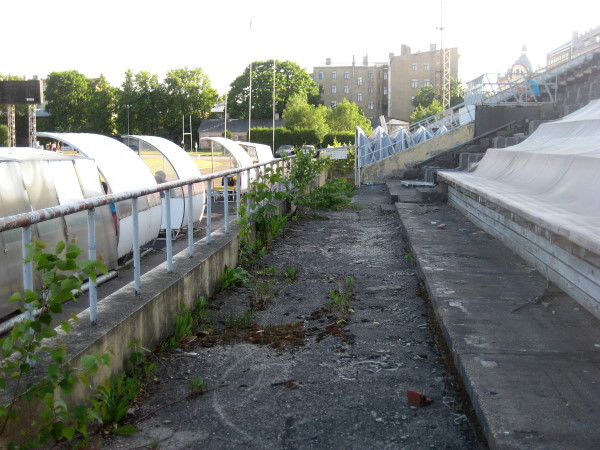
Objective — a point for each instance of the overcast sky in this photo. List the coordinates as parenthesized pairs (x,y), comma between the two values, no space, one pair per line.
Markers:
(109,37)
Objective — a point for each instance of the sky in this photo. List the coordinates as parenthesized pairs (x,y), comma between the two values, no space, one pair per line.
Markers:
(223,36)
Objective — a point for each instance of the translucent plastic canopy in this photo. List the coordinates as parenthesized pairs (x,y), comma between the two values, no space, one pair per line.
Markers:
(259,153)
(120,166)
(238,153)
(123,171)
(182,163)
(169,162)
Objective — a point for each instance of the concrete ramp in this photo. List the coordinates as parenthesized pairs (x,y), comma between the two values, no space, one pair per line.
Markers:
(542,199)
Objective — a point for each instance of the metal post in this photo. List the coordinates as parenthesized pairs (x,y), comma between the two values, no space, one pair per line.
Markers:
(226,202)
(238,188)
(209,212)
(249,203)
(168,231)
(190,221)
(27,265)
(92,291)
(136,248)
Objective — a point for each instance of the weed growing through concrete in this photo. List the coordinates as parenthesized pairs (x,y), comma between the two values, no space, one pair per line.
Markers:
(196,386)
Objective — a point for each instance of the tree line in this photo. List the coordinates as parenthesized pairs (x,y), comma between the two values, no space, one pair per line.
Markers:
(145,104)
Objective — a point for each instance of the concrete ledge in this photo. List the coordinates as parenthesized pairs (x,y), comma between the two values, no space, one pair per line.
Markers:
(571,267)
(527,353)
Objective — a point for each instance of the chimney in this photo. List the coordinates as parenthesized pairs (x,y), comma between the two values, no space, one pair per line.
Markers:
(391,56)
(366,60)
(328,61)
(432,47)
(405,50)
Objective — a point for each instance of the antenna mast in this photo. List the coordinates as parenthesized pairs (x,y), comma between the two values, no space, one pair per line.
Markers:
(445,56)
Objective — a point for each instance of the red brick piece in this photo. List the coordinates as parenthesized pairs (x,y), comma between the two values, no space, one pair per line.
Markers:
(418,398)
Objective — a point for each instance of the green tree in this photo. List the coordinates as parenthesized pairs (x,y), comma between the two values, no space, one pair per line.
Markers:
(300,115)
(143,93)
(457,92)
(290,79)
(425,96)
(102,107)
(3,135)
(422,112)
(67,97)
(346,116)
(187,92)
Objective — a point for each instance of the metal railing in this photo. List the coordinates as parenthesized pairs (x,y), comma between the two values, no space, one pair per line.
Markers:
(26,220)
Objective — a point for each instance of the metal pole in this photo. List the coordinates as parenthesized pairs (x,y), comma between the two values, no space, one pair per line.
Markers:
(250,105)
(136,248)
(209,212)
(92,291)
(238,188)
(168,232)
(27,265)
(190,221)
(226,202)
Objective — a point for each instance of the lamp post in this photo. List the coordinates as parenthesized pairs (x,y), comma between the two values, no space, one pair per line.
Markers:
(128,106)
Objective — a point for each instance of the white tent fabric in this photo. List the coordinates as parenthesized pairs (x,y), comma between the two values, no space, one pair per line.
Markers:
(552,178)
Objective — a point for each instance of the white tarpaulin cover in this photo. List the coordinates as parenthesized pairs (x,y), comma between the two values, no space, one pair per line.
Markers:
(552,178)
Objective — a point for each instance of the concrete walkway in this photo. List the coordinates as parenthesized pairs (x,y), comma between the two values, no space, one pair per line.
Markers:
(528,354)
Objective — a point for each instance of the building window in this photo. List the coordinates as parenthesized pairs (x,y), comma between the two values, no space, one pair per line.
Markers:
(346,75)
(415,67)
(426,67)
(334,89)
(321,74)
(359,81)
(426,82)
(370,75)
(385,90)
(333,104)
(346,89)
(370,89)
(414,83)
(370,105)
(385,75)
(333,74)
(359,97)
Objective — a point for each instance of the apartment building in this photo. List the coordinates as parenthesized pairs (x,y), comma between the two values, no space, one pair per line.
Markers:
(365,85)
(384,88)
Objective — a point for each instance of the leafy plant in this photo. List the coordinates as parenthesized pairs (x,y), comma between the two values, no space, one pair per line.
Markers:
(183,327)
(340,301)
(290,274)
(240,321)
(196,385)
(113,400)
(61,276)
(231,277)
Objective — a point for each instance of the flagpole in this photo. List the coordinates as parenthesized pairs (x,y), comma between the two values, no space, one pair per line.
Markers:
(250,92)
(250,104)
(273,104)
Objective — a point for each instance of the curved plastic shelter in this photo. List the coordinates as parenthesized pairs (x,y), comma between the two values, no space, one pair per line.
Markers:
(36,179)
(123,170)
(259,153)
(169,162)
(239,156)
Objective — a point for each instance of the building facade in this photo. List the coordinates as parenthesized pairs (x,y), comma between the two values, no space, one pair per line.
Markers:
(365,85)
(409,72)
(384,89)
